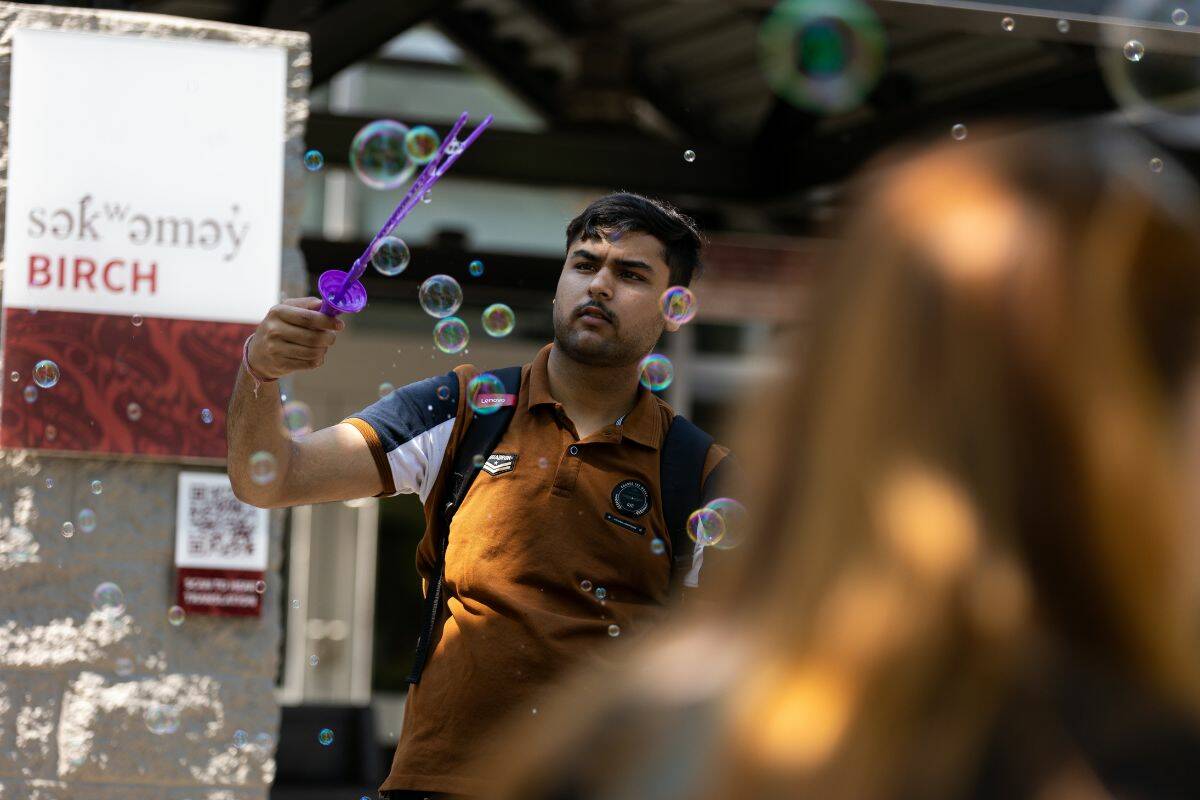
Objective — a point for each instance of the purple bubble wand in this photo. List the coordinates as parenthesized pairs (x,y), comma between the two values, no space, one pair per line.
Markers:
(342,292)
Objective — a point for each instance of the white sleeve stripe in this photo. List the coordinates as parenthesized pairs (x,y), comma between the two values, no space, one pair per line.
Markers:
(692,580)
(415,463)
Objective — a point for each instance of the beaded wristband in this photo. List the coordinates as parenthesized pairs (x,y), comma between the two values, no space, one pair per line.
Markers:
(259,380)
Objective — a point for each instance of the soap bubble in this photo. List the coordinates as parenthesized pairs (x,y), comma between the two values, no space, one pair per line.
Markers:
(705,526)
(822,55)
(51,433)
(175,615)
(123,667)
(1179,16)
(1134,50)
(295,603)
(313,160)
(498,320)
(297,417)
(601,593)
(133,411)
(378,155)
(678,304)
(264,741)
(136,319)
(14,376)
(959,132)
(734,521)
(386,388)
(427,198)
(45,373)
(421,144)
(689,156)
(206,416)
(585,585)
(262,467)
(484,393)
(240,738)
(87,520)
(475,268)
(260,586)
(30,393)
(325,737)
(162,718)
(1063,26)
(390,256)
(97,487)
(614,630)
(440,295)
(313,660)
(443,392)
(68,529)
(656,372)
(543,462)
(451,335)
(454,148)
(1008,23)
(49,483)
(657,547)
(1156,164)
(108,599)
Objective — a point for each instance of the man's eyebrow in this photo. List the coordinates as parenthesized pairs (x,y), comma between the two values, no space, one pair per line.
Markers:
(624,262)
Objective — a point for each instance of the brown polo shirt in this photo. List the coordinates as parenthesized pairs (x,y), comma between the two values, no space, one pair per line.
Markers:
(545,566)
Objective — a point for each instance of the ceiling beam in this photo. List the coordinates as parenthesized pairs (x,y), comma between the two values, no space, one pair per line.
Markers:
(611,160)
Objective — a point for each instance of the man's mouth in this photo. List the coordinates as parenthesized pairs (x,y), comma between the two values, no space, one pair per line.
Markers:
(594,314)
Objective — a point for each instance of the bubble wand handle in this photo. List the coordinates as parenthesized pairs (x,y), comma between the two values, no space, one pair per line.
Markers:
(342,292)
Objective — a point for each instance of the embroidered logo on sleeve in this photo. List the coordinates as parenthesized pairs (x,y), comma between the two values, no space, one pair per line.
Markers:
(500,463)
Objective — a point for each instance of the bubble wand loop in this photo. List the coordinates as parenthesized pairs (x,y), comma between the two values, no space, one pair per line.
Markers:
(341,292)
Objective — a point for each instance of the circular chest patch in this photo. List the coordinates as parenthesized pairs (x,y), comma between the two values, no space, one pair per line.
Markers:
(631,497)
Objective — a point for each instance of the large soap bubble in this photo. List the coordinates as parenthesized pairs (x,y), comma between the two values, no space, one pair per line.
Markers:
(378,154)
(822,55)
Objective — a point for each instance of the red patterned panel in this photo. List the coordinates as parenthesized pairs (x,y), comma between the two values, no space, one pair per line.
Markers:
(172,368)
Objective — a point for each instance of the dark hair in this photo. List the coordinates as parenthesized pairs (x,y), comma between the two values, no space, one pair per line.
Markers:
(625,211)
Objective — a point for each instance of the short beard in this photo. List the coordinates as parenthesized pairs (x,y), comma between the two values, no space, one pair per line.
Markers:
(615,352)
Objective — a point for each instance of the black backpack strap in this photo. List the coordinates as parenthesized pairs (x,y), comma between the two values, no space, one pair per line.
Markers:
(484,432)
(681,470)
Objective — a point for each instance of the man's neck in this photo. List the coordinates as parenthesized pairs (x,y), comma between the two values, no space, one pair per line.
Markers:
(576,386)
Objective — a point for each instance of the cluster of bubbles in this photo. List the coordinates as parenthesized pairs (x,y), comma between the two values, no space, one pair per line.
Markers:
(451,335)
(313,160)
(498,320)
(721,523)
(390,256)
(822,55)
(678,304)
(656,372)
(440,296)
(484,393)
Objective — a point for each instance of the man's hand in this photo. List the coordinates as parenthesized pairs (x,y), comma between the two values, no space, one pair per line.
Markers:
(293,336)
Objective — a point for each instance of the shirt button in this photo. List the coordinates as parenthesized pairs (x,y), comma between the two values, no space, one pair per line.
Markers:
(573,450)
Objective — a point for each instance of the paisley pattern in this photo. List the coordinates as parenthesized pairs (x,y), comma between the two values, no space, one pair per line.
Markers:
(171,368)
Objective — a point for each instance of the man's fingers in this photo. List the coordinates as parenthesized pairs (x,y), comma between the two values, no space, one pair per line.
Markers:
(306,337)
(311,303)
(307,318)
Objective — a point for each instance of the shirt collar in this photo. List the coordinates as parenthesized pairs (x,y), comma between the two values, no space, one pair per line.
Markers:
(643,423)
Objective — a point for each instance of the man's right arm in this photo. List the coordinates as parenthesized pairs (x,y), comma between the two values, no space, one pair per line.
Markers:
(333,463)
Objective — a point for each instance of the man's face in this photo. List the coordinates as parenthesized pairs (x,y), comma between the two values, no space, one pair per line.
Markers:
(606,308)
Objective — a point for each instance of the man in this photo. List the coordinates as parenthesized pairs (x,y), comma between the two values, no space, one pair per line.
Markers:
(556,551)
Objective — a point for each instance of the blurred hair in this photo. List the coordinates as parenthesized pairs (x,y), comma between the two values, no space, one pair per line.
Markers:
(978,474)
(622,212)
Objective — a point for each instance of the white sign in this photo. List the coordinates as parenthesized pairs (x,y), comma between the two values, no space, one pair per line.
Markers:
(162,195)
(215,530)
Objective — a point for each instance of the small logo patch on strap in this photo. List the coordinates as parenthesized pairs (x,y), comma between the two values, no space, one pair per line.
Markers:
(500,463)
(626,524)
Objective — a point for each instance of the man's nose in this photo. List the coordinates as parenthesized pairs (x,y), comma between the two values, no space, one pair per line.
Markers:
(601,284)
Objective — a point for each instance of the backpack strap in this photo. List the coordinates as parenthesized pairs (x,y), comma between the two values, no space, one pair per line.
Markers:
(681,470)
(484,432)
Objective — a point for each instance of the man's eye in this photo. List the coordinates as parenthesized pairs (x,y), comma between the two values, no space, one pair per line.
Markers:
(583,265)
(633,275)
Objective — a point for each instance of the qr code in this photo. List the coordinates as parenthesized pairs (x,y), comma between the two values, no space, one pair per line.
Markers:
(218,523)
